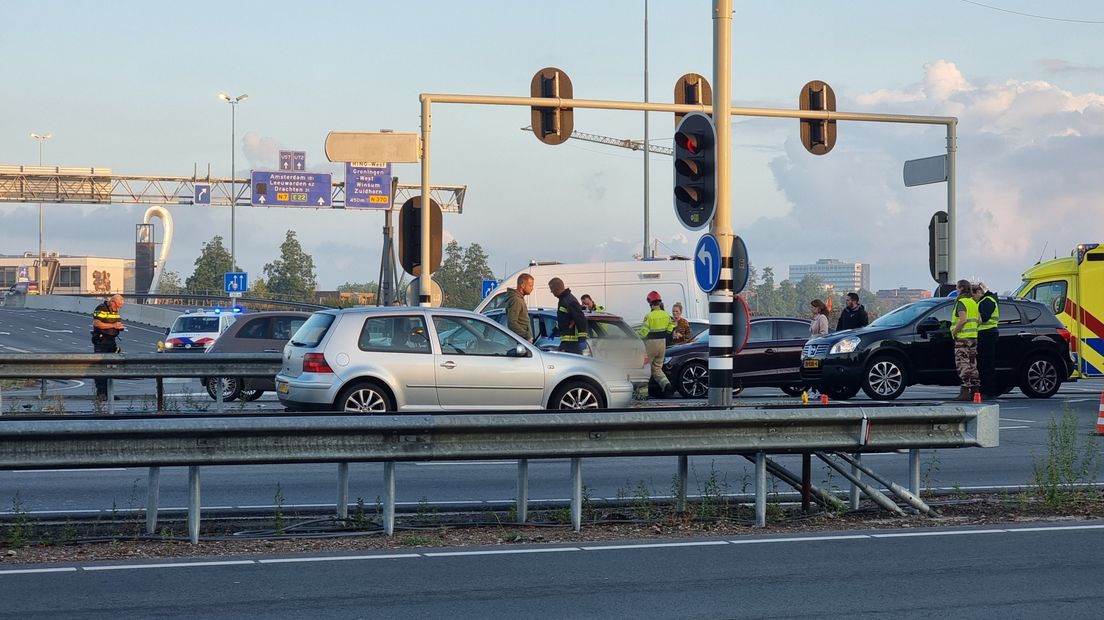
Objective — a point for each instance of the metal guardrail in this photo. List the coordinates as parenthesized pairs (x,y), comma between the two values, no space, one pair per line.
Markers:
(211,300)
(137,365)
(204,440)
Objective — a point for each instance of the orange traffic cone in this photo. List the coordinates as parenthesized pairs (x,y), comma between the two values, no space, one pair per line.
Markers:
(1100,417)
(977,397)
(824,399)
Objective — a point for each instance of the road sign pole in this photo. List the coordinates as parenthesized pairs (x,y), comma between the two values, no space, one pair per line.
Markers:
(721,299)
(952,218)
(424,281)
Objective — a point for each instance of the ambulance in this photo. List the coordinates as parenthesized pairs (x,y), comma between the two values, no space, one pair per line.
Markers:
(1073,287)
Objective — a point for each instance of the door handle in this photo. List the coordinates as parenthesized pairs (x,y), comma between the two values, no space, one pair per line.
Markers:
(768,351)
(449,364)
(1025,334)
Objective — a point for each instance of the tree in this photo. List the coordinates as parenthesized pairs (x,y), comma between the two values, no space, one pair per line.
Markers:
(292,275)
(358,287)
(461,275)
(210,268)
(169,284)
(258,288)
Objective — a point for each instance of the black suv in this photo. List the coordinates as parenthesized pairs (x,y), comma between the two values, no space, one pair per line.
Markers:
(913,345)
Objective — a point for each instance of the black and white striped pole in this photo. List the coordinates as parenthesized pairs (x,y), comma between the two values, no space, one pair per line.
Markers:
(722,299)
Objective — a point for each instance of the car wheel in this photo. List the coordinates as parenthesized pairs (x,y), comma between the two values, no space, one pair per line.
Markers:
(577,395)
(884,378)
(736,390)
(792,390)
(1039,377)
(693,380)
(231,388)
(841,392)
(251,395)
(365,397)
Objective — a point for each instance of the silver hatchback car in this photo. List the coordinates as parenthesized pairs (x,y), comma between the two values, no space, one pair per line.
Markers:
(434,359)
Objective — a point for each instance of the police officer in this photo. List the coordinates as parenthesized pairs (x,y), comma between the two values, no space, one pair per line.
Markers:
(657,328)
(571,321)
(989,318)
(107,323)
(965,334)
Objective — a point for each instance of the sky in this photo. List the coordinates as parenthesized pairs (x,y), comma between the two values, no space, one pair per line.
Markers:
(133,86)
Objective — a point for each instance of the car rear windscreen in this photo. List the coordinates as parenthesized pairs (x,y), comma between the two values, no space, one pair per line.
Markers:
(312,332)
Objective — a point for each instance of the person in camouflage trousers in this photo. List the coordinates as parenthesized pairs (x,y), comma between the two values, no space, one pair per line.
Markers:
(965,333)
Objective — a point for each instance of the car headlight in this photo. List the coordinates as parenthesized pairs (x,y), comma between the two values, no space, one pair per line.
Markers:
(667,361)
(847,345)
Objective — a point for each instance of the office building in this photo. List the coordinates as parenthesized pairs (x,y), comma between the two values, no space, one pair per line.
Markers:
(842,277)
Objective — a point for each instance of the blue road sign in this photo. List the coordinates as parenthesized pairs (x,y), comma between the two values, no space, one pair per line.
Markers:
(488,286)
(707,262)
(202,194)
(367,185)
(290,189)
(236,282)
(293,161)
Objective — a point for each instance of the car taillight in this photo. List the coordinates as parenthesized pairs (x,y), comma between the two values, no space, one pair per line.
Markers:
(1065,334)
(315,362)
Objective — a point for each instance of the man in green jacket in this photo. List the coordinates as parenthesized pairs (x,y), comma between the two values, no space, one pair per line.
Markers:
(517,313)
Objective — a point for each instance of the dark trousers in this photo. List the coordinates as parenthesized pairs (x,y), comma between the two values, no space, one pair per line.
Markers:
(987,361)
(104,345)
(571,347)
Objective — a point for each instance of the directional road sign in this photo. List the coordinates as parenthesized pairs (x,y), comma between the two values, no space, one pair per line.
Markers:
(202,194)
(707,262)
(367,185)
(488,286)
(236,282)
(293,161)
(290,189)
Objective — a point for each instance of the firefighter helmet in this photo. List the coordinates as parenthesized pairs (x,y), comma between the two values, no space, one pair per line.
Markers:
(654,297)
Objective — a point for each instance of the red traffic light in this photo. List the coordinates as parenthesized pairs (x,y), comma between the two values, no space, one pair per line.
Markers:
(688,141)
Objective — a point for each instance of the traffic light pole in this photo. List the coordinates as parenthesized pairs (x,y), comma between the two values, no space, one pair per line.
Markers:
(721,298)
(425,286)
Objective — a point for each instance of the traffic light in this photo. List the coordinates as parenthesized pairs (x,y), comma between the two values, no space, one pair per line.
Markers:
(939,247)
(818,135)
(693,89)
(552,125)
(695,171)
(410,236)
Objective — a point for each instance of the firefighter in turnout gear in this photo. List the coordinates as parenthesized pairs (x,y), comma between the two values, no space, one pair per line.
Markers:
(107,323)
(571,321)
(656,330)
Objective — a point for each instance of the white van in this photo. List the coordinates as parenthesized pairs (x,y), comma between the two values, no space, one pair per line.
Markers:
(620,287)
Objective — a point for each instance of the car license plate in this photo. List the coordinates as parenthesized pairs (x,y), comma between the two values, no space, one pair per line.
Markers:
(812,363)
(282,387)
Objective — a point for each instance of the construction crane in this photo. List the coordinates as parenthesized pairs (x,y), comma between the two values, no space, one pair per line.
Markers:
(635,145)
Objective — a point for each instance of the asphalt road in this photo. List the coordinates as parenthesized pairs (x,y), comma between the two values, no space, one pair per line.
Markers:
(1023,438)
(1006,573)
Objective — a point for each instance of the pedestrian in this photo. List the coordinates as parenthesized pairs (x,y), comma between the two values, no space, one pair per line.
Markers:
(517,313)
(988,320)
(682,333)
(853,315)
(589,305)
(106,326)
(965,334)
(657,328)
(571,321)
(819,325)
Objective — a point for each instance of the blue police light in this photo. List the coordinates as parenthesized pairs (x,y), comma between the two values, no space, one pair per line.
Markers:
(218,310)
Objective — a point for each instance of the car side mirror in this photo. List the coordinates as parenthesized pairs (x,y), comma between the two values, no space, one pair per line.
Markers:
(520,351)
(168,330)
(928,325)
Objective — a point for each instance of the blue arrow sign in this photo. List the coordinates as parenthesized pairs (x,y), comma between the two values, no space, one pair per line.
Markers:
(202,194)
(290,189)
(488,286)
(236,282)
(367,185)
(707,262)
(293,161)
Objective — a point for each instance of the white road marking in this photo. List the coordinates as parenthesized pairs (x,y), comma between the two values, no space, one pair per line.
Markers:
(1015,420)
(454,463)
(51,471)
(526,551)
(4,346)
(1012,428)
(55,331)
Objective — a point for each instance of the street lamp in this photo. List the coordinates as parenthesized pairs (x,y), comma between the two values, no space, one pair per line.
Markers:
(233,101)
(41,139)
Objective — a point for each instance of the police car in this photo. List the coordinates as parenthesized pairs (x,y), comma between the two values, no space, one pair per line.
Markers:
(197,331)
